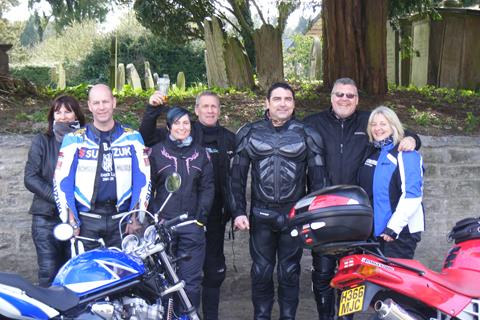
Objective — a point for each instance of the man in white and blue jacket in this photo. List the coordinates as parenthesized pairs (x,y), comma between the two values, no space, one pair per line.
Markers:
(102,172)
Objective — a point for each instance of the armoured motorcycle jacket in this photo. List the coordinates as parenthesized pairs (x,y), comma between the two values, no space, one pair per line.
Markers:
(280,158)
(77,167)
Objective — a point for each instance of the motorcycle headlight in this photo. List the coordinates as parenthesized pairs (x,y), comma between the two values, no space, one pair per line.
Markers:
(130,243)
(150,234)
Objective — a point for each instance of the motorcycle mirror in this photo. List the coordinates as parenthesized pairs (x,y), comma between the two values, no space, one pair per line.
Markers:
(63,231)
(173,182)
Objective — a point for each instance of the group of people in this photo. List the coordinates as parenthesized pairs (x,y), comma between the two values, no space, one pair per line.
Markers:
(90,175)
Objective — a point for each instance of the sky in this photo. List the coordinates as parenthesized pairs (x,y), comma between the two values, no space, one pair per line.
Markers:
(21,13)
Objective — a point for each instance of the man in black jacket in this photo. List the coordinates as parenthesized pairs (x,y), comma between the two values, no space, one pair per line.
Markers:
(281,151)
(220,144)
(344,130)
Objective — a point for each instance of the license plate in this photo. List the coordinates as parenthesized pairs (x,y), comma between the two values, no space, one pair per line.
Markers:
(351,301)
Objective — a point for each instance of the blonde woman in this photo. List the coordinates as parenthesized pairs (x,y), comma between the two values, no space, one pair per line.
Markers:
(394,181)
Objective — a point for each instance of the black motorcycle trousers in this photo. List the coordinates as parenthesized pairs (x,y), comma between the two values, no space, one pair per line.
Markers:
(189,240)
(266,246)
(214,267)
(51,253)
(322,273)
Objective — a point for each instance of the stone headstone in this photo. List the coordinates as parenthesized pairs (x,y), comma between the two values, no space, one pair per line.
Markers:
(181,81)
(392,63)
(316,59)
(268,55)
(133,79)
(120,77)
(239,69)
(62,81)
(149,84)
(214,57)
(421,36)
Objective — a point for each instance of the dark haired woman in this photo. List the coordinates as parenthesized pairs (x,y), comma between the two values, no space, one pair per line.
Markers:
(64,117)
(179,153)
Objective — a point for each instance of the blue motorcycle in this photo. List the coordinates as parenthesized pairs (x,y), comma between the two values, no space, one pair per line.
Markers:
(137,282)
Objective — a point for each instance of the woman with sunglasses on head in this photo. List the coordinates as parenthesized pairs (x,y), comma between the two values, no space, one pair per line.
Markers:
(63,117)
(393,180)
(178,152)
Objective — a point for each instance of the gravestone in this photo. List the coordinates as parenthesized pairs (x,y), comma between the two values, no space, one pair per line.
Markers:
(120,77)
(133,79)
(269,62)
(316,60)
(4,69)
(239,69)
(62,80)
(149,84)
(421,36)
(214,53)
(181,81)
(392,62)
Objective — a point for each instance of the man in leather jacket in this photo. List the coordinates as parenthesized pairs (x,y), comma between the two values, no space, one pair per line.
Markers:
(281,151)
(220,144)
(344,130)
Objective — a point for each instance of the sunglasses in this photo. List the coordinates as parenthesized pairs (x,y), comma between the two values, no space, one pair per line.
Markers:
(341,94)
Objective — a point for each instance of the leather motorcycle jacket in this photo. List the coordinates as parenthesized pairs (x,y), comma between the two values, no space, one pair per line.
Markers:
(280,157)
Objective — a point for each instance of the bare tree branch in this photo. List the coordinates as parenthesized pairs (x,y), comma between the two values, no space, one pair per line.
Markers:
(259,12)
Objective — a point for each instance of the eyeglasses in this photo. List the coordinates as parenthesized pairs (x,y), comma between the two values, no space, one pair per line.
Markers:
(341,94)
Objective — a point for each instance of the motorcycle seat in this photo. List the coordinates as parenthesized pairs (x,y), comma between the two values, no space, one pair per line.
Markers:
(462,281)
(57,297)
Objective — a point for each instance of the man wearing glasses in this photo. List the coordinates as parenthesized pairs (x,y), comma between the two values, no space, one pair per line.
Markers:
(343,129)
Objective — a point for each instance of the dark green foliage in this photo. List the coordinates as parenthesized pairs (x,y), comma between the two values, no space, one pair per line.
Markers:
(178,20)
(164,57)
(30,35)
(40,76)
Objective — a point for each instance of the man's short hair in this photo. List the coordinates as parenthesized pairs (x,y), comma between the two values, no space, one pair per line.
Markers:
(206,94)
(282,85)
(344,81)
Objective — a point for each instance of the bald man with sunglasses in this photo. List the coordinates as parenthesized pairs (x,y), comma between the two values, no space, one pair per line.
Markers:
(344,132)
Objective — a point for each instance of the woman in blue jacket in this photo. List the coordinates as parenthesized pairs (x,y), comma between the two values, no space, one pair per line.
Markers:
(394,182)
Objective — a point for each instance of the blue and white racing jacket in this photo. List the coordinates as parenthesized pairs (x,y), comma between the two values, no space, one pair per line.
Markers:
(394,182)
(74,177)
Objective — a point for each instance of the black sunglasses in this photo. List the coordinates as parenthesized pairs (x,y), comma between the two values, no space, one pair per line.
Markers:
(341,94)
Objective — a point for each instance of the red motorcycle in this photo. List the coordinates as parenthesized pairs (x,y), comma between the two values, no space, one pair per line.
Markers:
(338,221)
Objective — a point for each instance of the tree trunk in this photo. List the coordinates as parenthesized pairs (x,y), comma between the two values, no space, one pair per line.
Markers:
(269,57)
(354,36)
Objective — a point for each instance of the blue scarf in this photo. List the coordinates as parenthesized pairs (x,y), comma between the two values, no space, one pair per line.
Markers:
(181,143)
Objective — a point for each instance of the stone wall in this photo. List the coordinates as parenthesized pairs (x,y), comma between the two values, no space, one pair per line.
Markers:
(452,186)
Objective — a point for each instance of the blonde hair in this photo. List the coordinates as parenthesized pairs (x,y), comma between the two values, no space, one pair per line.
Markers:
(393,121)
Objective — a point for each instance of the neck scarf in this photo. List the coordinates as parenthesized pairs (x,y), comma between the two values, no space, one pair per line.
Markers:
(181,143)
(382,143)
(60,129)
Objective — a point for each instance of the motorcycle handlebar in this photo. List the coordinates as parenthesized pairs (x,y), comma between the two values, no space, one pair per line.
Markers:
(172,222)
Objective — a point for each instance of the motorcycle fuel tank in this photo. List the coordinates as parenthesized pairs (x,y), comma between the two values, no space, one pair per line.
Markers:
(98,269)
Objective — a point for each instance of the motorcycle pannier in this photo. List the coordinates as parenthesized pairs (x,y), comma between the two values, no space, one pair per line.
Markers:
(332,215)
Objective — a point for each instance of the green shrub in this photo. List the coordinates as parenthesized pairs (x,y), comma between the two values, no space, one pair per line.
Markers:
(164,57)
(40,76)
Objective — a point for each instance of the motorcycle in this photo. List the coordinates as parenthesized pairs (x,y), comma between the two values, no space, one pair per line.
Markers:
(338,221)
(137,282)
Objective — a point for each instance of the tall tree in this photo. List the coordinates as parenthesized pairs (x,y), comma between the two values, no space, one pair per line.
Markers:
(354,36)
(6,5)
(65,12)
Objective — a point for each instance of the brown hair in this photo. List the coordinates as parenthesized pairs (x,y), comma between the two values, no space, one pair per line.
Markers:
(71,104)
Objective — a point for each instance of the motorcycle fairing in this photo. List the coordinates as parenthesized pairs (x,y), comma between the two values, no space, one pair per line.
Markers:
(400,280)
(97,269)
(14,303)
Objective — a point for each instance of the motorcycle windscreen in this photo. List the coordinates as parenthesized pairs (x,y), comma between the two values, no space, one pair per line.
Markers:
(98,269)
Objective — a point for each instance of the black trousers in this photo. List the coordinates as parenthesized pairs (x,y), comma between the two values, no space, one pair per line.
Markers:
(266,246)
(105,228)
(214,267)
(51,253)
(403,247)
(189,240)
(322,273)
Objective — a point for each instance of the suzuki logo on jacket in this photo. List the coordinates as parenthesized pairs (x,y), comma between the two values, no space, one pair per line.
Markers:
(117,152)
